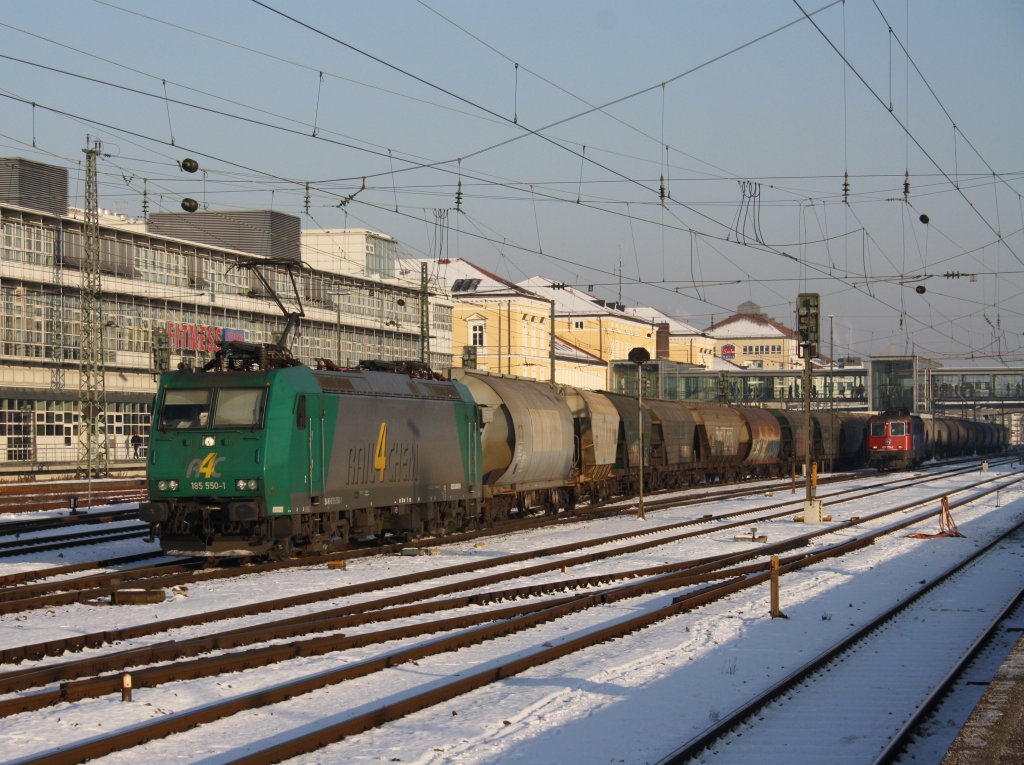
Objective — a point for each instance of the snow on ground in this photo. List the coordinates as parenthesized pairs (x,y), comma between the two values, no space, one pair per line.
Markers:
(629,701)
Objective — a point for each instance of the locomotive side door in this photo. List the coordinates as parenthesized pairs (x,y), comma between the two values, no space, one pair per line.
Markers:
(315,442)
(307,451)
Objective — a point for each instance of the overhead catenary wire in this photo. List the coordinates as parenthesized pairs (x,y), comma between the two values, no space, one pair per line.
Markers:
(536,193)
(570,261)
(905,127)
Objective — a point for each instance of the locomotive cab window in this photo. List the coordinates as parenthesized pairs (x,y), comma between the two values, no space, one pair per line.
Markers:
(897,428)
(878,429)
(238,408)
(231,408)
(185,408)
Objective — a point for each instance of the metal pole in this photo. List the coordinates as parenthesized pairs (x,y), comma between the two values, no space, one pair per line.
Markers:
(775,610)
(809,424)
(831,393)
(551,341)
(640,430)
(812,506)
(424,315)
(337,328)
(638,356)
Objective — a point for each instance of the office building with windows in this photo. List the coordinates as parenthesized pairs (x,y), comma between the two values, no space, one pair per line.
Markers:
(172,288)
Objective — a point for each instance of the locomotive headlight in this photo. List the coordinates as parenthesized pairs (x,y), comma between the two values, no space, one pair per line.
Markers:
(161,485)
(243,483)
(172,485)
(209,440)
(167,485)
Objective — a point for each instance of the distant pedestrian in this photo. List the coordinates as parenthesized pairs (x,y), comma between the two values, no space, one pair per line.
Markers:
(136,445)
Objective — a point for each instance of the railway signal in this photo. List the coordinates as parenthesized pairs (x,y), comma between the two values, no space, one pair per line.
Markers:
(808,305)
(808,311)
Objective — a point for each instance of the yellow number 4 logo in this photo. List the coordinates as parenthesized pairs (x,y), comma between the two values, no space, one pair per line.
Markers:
(380,458)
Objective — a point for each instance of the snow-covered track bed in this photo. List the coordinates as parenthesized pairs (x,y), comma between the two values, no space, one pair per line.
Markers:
(859,701)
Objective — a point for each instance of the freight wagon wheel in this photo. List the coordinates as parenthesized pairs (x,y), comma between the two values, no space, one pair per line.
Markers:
(551,503)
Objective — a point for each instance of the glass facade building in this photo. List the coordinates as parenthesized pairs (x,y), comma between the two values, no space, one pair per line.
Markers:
(777,388)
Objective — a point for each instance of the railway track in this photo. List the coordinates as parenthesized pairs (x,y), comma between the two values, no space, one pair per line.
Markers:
(60,495)
(695,576)
(80,518)
(65,541)
(28,497)
(98,586)
(932,644)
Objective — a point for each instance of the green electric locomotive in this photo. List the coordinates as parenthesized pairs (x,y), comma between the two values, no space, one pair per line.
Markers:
(256,454)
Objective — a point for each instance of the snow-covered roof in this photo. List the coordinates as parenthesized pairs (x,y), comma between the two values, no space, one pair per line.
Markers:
(654,316)
(724,365)
(567,351)
(460,278)
(749,325)
(570,301)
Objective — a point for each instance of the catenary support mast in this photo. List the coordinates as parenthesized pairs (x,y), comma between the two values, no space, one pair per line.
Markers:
(93,456)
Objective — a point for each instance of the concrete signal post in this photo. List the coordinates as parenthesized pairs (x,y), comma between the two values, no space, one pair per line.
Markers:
(808,331)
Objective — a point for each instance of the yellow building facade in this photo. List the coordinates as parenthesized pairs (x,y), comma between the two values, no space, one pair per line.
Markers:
(676,340)
(498,326)
(597,327)
(751,339)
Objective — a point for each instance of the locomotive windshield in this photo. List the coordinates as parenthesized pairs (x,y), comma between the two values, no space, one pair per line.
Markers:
(897,428)
(238,408)
(231,408)
(878,428)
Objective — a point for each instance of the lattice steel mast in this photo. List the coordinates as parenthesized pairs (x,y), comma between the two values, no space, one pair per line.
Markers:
(424,316)
(93,454)
(56,311)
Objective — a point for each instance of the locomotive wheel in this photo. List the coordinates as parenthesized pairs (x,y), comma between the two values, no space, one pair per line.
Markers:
(283,550)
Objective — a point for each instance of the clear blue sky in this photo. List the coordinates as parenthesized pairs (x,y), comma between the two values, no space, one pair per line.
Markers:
(750,122)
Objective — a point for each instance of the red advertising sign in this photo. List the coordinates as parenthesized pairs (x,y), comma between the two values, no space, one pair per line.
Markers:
(194,337)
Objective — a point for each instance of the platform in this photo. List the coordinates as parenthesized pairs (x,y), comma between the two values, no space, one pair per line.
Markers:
(994,733)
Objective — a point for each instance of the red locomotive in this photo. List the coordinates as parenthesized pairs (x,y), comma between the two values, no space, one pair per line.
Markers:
(896,439)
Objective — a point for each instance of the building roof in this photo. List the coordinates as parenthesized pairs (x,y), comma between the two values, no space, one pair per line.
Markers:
(742,325)
(724,365)
(570,301)
(566,351)
(458,278)
(654,316)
